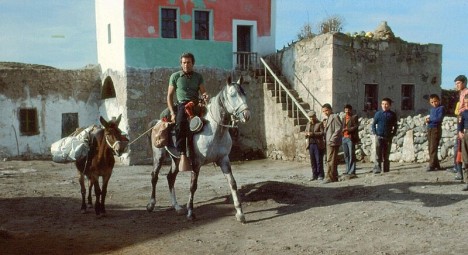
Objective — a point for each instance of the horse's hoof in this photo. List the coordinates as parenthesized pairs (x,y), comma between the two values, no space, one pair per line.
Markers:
(241,218)
(180,211)
(150,207)
(191,217)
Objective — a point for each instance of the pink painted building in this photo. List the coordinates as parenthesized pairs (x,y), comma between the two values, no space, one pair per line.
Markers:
(154,33)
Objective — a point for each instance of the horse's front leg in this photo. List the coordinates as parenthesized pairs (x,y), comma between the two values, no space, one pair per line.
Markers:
(83,192)
(171,179)
(193,188)
(158,159)
(227,171)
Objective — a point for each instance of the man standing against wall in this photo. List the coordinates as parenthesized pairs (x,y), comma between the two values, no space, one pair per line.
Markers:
(333,136)
(460,86)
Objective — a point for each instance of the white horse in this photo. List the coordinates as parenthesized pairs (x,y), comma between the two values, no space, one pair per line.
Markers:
(212,144)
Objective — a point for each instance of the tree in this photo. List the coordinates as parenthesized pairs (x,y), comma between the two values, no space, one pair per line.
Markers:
(331,24)
(306,32)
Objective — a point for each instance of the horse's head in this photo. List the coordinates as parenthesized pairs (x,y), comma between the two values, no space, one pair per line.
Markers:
(114,136)
(235,102)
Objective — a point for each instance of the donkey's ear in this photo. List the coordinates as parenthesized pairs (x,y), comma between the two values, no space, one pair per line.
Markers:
(103,121)
(118,120)
(229,80)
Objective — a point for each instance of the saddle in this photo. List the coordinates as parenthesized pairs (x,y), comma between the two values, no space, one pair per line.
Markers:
(194,113)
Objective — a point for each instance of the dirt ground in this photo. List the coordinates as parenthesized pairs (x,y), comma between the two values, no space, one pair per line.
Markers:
(406,211)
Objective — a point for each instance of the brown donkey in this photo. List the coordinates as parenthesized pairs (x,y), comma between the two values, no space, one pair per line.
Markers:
(104,143)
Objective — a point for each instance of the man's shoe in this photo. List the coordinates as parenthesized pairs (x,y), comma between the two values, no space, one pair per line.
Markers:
(377,170)
(320,178)
(430,169)
(452,170)
(325,181)
(465,188)
(458,177)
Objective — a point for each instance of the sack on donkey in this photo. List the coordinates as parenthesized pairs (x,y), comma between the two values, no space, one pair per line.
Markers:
(71,148)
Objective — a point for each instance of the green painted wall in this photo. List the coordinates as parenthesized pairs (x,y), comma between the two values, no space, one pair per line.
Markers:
(150,53)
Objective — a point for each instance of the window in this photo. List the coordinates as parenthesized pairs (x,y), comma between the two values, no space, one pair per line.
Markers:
(109,34)
(202,25)
(371,97)
(108,90)
(69,123)
(168,23)
(407,97)
(28,121)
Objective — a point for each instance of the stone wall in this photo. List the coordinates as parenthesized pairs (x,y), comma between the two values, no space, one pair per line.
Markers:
(410,143)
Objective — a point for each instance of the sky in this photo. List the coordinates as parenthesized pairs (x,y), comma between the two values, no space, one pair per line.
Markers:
(62,34)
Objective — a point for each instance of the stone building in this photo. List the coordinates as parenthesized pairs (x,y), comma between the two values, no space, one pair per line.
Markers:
(360,70)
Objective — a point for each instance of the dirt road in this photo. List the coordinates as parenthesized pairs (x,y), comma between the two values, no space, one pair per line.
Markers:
(406,211)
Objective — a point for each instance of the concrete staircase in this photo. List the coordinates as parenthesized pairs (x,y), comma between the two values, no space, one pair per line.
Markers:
(294,114)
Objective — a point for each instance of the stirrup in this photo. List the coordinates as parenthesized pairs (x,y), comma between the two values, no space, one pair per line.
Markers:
(184,163)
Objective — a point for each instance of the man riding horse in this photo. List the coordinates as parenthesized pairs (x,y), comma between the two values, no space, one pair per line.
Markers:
(186,84)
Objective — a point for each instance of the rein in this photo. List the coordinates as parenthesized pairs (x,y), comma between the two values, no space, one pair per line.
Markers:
(222,124)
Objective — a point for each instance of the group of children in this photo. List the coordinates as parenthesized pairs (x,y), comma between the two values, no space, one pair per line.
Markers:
(384,127)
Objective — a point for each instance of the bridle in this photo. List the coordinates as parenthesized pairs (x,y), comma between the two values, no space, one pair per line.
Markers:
(114,145)
(234,111)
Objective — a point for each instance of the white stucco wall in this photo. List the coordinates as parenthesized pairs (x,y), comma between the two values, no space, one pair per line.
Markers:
(49,114)
(110,55)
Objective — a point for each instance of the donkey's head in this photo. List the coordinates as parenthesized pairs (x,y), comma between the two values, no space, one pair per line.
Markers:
(113,135)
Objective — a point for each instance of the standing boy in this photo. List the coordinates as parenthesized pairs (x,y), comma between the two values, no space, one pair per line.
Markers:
(350,138)
(434,131)
(316,145)
(333,141)
(460,86)
(462,128)
(384,127)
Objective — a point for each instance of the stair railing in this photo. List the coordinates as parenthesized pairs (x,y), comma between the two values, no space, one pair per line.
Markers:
(290,99)
(314,99)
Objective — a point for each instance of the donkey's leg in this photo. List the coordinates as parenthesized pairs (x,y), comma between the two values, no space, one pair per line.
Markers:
(226,168)
(193,188)
(83,192)
(97,193)
(158,159)
(90,192)
(171,179)
(105,182)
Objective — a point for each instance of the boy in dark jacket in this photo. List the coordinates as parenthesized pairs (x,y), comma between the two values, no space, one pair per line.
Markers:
(434,131)
(384,127)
